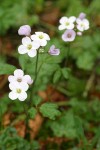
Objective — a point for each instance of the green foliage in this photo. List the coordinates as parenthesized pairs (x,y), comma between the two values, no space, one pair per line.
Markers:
(80,117)
(10,16)
(57,76)
(85,61)
(9,140)
(50,110)
(6,69)
(66,72)
(32,112)
(64,126)
(75,85)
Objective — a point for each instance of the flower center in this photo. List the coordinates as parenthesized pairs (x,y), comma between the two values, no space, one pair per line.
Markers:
(18,90)
(69,35)
(67,23)
(19,80)
(82,25)
(29,46)
(41,36)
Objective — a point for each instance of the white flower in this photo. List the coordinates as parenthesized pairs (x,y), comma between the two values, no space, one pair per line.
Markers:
(28,47)
(18,91)
(41,38)
(82,24)
(19,77)
(67,23)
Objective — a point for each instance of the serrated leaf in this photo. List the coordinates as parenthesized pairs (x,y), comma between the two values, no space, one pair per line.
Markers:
(32,112)
(80,130)
(6,69)
(64,126)
(66,72)
(57,76)
(50,110)
(36,100)
(85,61)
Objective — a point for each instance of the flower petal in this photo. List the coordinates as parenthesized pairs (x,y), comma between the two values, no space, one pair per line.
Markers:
(22,96)
(18,73)
(13,85)
(62,27)
(34,37)
(63,20)
(26,41)
(70,26)
(11,78)
(80,28)
(13,95)
(72,19)
(38,33)
(86,22)
(32,53)
(79,21)
(24,86)
(27,79)
(35,44)
(43,42)
(46,36)
(22,49)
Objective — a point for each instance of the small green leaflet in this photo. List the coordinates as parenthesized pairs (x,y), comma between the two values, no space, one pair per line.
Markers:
(50,110)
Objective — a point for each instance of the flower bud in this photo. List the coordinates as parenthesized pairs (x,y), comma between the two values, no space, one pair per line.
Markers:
(82,16)
(79,33)
(53,50)
(24,30)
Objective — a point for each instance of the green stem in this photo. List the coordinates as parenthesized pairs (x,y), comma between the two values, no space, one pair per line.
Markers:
(36,73)
(0,117)
(67,57)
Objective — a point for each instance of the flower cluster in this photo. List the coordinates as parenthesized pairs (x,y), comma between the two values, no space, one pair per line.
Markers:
(19,84)
(73,26)
(31,43)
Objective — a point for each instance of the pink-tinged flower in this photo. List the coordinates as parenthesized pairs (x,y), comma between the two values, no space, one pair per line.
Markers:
(29,47)
(18,91)
(82,24)
(82,16)
(41,38)
(69,35)
(24,30)
(79,33)
(53,50)
(66,23)
(20,78)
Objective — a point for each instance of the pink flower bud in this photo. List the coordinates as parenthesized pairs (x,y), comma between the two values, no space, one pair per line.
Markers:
(79,33)
(82,16)
(53,50)
(24,30)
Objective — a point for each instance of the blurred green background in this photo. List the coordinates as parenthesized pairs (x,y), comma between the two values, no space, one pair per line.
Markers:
(78,128)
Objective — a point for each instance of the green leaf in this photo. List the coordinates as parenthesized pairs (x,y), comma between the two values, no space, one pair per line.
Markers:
(23,59)
(50,110)
(66,72)
(32,112)
(85,61)
(79,130)
(57,76)
(6,69)
(36,100)
(64,125)
(35,145)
